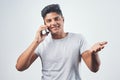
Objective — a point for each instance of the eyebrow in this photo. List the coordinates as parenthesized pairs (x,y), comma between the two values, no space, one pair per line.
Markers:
(54,17)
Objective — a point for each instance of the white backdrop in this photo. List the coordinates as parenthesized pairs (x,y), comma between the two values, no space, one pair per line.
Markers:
(97,20)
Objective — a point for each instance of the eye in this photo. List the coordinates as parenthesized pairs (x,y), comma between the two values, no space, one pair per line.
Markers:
(57,18)
(48,20)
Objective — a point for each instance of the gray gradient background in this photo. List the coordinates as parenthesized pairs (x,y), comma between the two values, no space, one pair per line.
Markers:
(97,20)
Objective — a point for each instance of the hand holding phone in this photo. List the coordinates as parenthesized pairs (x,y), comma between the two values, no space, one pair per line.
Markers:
(45,32)
(41,33)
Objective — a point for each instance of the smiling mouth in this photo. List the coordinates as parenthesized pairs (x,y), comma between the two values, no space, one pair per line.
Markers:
(55,27)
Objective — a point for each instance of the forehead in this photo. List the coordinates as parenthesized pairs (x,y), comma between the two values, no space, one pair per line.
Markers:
(52,15)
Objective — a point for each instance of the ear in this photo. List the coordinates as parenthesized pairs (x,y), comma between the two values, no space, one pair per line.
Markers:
(44,22)
(63,19)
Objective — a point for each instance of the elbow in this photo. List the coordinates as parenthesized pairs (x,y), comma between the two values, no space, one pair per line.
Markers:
(19,68)
(94,70)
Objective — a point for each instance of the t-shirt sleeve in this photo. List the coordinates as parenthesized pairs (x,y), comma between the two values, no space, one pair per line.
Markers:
(83,45)
(38,50)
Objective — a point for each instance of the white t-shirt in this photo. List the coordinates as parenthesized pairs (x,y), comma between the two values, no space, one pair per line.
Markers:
(61,57)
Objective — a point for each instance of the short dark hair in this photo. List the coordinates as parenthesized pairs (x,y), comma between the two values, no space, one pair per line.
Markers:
(51,8)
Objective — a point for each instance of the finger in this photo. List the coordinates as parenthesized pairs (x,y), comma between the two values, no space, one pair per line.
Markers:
(43,27)
(103,43)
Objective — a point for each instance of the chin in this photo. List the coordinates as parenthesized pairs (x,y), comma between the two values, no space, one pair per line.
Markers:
(54,32)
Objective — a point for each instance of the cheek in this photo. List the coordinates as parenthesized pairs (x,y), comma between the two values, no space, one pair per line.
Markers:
(61,23)
(48,25)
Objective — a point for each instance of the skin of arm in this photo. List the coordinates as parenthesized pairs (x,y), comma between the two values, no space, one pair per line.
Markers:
(29,56)
(91,57)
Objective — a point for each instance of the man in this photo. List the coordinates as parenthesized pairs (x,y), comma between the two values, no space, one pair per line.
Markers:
(60,51)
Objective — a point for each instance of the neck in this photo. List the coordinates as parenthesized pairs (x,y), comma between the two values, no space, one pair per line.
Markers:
(59,36)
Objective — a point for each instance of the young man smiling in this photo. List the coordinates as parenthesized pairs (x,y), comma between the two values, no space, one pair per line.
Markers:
(59,51)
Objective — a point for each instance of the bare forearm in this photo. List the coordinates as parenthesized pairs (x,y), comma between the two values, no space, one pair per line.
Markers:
(92,60)
(91,57)
(28,56)
(95,62)
(24,59)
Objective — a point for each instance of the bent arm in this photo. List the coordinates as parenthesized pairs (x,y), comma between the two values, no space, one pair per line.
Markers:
(91,60)
(91,57)
(27,57)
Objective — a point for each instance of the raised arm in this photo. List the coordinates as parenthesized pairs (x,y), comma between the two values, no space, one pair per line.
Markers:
(29,56)
(91,57)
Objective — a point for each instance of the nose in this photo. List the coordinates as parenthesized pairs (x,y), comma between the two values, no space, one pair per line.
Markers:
(53,22)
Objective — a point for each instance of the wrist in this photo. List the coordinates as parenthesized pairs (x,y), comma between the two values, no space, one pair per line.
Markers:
(36,41)
(91,51)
